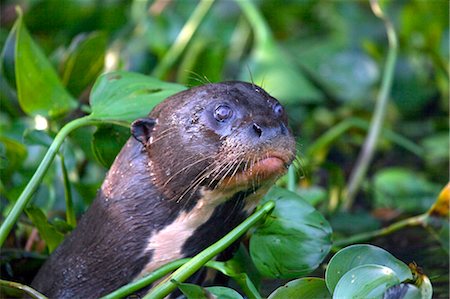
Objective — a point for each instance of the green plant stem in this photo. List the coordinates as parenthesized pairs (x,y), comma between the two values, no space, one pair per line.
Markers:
(338,130)
(146,280)
(292,183)
(368,149)
(30,291)
(167,268)
(33,184)
(259,26)
(183,38)
(185,271)
(412,221)
(70,212)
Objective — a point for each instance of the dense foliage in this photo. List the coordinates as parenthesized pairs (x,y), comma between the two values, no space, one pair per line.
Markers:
(330,63)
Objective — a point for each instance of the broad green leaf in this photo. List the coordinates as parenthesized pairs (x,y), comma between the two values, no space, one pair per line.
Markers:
(313,195)
(308,287)
(107,142)
(293,240)
(39,89)
(224,293)
(84,62)
(47,232)
(192,291)
(403,189)
(127,96)
(362,254)
(365,282)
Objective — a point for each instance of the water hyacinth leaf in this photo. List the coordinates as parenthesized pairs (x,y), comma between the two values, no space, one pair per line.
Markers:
(399,188)
(224,293)
(107,142)
(39,89)
(48,233)
(308,287)
(362,254)
(314,195)
(293,240)
(84,62)
(192,291)
(366,281)
(139,93)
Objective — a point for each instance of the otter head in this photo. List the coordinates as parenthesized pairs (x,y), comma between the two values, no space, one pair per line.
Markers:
(231,136)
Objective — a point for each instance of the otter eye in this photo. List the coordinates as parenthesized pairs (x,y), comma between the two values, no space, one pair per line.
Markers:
(222,113)
(278,110)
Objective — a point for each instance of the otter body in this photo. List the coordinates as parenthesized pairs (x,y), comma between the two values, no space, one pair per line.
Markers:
(193,170)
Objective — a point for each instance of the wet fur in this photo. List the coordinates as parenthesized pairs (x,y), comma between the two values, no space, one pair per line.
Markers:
(171,179)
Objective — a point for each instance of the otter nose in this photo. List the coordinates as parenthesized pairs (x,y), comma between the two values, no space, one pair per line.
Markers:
(257,129)
(265,132)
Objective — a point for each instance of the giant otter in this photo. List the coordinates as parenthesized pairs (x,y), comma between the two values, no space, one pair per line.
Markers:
(191,172)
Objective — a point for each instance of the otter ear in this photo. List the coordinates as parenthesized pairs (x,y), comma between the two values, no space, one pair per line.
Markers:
(141,129)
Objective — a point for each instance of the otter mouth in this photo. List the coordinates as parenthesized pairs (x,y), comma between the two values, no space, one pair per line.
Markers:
(269,166)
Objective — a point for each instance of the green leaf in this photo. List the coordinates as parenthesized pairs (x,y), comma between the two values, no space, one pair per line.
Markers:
(39,89)
(127,96)
(107,143)
(224,293)
(84,61)
(362,254)
(192,291)
(293,240)
(403,189)
(308,287)
(313,195)
(365,281)
(47,232)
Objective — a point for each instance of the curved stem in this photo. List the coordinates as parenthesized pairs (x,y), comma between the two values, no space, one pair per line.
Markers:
(256,20)
(412,221)
(183,38)
(28,290)
(368,150)
(33,184)
(185,271)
